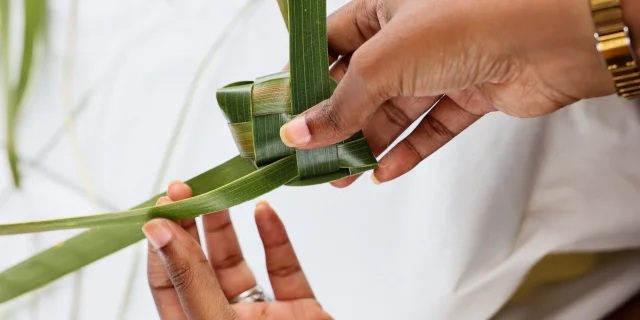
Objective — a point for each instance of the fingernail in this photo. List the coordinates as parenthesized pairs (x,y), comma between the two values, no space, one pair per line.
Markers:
(374,179)
(295,133)
(262,203)
(265,220)
(171,184)
(157,232)
(163,200)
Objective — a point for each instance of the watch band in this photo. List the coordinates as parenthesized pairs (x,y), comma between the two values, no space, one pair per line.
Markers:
(614,43)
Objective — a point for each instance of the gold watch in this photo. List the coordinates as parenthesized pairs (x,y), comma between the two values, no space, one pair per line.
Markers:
(614,43)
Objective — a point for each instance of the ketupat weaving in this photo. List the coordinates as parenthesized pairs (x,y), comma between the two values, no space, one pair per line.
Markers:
(255,111)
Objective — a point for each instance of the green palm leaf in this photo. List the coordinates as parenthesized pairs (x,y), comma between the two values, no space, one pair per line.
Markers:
(255,111)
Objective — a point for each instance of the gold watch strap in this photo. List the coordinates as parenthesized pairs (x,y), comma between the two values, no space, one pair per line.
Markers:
(614,43)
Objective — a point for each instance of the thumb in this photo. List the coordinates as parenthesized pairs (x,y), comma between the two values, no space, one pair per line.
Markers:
(191,275)
(361,91)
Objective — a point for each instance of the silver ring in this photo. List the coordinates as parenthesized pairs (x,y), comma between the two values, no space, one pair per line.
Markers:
(255,294)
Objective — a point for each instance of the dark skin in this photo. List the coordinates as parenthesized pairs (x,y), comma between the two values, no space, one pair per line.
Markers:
(395,59)
(185,284)
(544,60)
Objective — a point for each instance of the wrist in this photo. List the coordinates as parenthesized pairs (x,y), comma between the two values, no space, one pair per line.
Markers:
(631,9)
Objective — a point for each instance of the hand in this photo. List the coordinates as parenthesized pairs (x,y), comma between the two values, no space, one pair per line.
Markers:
(395,58)
(185,285)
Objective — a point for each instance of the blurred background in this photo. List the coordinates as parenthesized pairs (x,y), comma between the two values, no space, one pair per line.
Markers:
(122,101)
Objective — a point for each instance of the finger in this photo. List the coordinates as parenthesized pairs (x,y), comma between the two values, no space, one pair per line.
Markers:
(361,91)
(336,119)
(392,119)
(225,254)
(339,68)
(162,290)
(179,191)
(287,279)
(337,72)
(189,271)
(345,182)
(388,123)
(354,23)
(445,121)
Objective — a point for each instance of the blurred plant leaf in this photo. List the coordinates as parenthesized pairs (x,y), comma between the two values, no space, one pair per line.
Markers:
(34,28)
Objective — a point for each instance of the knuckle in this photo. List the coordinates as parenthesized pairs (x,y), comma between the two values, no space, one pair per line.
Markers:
(283,244)
(187,223)
(157,284)
(286,271)
(213,228)
(228,262)
(362,65)
(396,115)
(415,150)
(328,120)
(334,120)
(181,275)
(429,134)
(373,77)
(436,130)
(381,12)
(370,15)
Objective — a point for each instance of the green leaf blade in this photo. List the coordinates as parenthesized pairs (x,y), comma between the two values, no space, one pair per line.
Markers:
(235,101)
(65,258)
(242,133)
(271,94)
(240,181)
(240,190)
(268,145)
(310,81)
(308,54)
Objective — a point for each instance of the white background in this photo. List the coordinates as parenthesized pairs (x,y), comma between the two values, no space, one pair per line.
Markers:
(448,241)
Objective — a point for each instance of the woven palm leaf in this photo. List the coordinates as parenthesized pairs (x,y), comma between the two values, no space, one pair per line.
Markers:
(255,111)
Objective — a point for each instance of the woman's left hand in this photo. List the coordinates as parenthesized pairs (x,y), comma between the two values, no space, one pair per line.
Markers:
(187,285)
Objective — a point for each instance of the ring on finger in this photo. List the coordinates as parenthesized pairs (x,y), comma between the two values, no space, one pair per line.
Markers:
(255,294)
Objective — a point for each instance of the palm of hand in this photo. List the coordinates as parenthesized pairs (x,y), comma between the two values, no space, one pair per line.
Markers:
(301,309)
